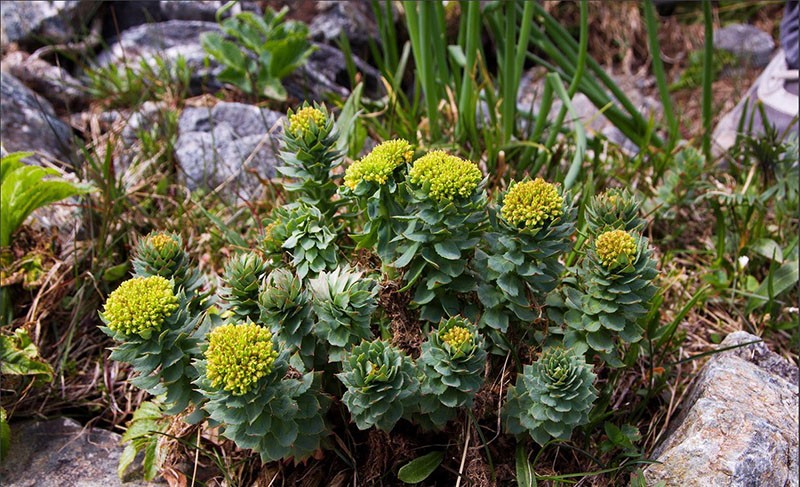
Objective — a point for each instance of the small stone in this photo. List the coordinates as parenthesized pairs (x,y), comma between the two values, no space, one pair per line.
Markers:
(747,42)
(739,425)
(52,82)
(34,22)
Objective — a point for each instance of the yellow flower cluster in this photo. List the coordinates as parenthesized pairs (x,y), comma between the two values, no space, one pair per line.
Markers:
(456,336)
(163,242)
(378,165)
(238,356)
(613,244)
(300,122)
(448,176)
(140,306)
(532,203)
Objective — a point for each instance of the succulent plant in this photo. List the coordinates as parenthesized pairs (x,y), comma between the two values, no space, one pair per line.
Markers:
(614,208)
(310,155)
(162,254)
(551,397)
(373,181)
(286,310)
(451,369)
(443,222)
(243,275)
(343,301)
(381,385)
(301,231)
(243,376)
(519,263)
(154,329)
(617,276)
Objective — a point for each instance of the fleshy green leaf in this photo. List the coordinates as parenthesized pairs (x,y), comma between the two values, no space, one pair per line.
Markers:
(420,468)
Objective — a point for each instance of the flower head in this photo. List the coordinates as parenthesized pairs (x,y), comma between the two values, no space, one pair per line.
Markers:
(300,121)
(446,176)
(614,244)
(379,164)
(532,203)
(140,306)
(238,356)
(456,336)
(163,242)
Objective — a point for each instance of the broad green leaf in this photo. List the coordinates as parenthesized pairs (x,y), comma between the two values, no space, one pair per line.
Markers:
(420,468)
(19,356)
(768,248)
(125,460)
(448,250)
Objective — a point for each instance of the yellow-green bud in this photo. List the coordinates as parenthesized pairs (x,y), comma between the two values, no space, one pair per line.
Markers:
(379,164)
(456,336)
(140,306)
(163,242)
(449,176)
(238,356)
(613,244)
(300,122)
(532,204)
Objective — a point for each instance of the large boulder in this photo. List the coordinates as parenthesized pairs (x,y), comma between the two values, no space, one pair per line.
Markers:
(52,82)
(230,144)
(43,22)
(29,123)
(325,73)
(61,452)
(355,19)
(747,42)
(739,425)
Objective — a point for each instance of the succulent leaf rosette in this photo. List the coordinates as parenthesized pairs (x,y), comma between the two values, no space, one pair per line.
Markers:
(162,254)
(154,331)
(617,276)
(301,232)
(286,310)
(244,378)
(520,259)
(309,155)
(373,182)
(614,208)
(381,385)
(451,368)
(444,217)
(551,397)
(243,275)
(343,301)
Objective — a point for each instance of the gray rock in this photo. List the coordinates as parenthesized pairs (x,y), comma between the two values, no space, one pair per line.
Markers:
(44,21)
(60,452)
(52,82)
(218,145)
(165,40)
(326,73)
(201,9)
(29,123)
(739,425)
(747,42)
(354,18)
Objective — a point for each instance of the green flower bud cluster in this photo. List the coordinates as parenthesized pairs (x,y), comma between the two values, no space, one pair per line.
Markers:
(379,164)
(531,204)
(243,275)
(614,208)
(552,396)
(615,247)
(238,356)
(139,306)
(343,301)
(162,254)
(310,156)
(445,177)
(302,121)
(451,367)
(381,385)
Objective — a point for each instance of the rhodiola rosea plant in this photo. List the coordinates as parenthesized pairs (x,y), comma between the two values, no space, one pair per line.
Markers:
(303,324)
